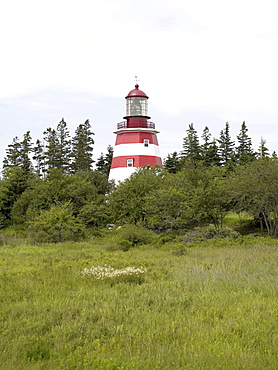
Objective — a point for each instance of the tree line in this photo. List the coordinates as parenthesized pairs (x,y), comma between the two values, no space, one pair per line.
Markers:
(52,191)
(56,150)
(215,152)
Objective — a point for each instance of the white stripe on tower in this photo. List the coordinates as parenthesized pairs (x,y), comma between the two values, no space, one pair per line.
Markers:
(136,149)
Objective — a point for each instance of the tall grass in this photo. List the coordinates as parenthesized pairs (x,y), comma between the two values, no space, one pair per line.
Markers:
(212,306)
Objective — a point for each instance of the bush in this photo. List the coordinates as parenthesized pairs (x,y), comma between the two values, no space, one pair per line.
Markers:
(129,236)
(210,233)
(56,225)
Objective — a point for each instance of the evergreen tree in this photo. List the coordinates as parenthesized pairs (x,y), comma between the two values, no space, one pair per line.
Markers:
(51,149)
(100,163)
(226,145)
(191,147)
(12,158)
(244,151)
(212,154)
(103,164)
(58,147)
(172,163)
(209,149)
(206,135)
(18,154)
(82,148)
(38,157)
(263,151)
(26,147)
(64,146)
(109,157)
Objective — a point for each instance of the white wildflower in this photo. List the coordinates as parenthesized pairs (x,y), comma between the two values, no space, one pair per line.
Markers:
(108,272)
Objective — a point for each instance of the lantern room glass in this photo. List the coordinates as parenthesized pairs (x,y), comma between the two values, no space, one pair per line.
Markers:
(137,106)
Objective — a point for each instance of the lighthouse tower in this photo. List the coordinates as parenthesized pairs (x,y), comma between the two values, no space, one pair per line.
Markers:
(136,142)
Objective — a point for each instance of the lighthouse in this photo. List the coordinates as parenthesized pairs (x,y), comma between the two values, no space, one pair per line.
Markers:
(136,141)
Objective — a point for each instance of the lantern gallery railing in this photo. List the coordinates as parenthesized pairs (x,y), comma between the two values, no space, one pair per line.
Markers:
(144,124)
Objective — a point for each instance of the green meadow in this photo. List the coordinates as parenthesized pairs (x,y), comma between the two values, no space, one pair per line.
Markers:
(205,304)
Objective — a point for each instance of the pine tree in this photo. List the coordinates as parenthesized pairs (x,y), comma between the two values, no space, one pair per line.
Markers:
(226,145)
(12,158)
(103,164)
(206,135)
(26,147)
(209,149)
(212,154)
(263,151)
(18,154)
(244,151)
(51,149)
(172,163)
(64,146)
(39,158)
(82,148)
(191,147)
(58,147)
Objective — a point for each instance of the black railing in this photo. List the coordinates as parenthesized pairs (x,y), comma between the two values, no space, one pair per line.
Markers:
(146,124)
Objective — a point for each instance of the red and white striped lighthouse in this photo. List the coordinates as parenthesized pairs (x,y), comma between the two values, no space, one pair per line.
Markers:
(136,142)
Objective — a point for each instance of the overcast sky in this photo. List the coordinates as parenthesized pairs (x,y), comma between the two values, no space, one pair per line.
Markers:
(200,61)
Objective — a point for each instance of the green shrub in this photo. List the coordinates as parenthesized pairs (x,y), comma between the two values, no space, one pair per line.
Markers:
(210,233)
(129,236)
(56,225)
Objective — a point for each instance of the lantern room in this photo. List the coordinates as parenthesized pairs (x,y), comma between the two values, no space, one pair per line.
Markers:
(136,103)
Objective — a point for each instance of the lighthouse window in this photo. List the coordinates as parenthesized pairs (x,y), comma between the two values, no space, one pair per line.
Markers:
(146,142)
(129,162)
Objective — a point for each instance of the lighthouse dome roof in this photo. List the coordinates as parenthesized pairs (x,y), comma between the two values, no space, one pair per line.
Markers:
(137,92)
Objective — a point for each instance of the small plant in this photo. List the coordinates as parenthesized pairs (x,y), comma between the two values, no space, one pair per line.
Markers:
(108,273)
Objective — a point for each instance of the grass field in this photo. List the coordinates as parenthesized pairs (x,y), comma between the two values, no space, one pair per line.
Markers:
(210,305)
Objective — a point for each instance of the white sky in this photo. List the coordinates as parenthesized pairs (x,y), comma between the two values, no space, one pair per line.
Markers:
(219,57)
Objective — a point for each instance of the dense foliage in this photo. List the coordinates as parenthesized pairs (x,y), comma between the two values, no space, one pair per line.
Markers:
(200,185)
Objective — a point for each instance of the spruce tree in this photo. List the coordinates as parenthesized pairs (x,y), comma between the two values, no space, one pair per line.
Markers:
(82,148)
(51,149)
(18,154)
(26,147)
(212,154)
(58,147)
(263,151)
(191,147)
(209,149)
(38,157)
(13,157)
(226,145)
(172,163)
(244,151)
(64,146)
(103,164)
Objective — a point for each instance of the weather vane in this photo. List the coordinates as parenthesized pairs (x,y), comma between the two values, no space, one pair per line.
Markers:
(136,79)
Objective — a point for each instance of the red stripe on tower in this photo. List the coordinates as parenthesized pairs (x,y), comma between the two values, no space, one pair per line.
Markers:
(136,137)
(138,161)
(136,142)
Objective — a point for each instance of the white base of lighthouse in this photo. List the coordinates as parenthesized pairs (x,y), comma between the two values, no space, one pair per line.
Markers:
(121,173)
